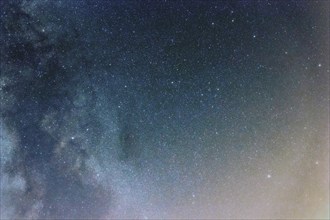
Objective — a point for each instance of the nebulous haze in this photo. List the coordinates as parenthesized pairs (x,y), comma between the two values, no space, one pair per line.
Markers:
(164,109)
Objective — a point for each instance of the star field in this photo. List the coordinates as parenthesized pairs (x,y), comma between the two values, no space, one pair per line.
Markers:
(164,109)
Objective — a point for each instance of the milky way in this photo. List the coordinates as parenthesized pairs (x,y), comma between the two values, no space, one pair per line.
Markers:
(164,109)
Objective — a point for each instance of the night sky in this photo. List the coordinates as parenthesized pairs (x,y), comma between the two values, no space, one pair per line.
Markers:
(164,109)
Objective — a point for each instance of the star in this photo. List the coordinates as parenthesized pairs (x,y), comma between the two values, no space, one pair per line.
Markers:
(166,110)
